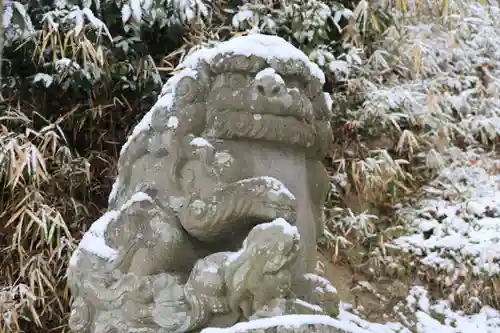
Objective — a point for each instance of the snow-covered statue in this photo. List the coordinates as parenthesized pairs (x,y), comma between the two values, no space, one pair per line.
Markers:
(216,210)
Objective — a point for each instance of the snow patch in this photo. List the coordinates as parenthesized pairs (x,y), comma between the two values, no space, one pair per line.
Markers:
(313,307)
(243,16)
(269,72)
(288,321)
(233,256)
(459,221)
(328,100)
(212,269)
(264,46)
(200,142)
(439,317)
(73,261)
(327,285)
(277,186)
(165,103)
(93,240)
(288,229)
(172,82)
(137,197)
(142,126)
(351,319)
(46,79)
(173,122)
(430,317)
(114,190)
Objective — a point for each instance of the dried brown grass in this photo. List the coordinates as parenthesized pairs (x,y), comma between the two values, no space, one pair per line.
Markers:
(55,173)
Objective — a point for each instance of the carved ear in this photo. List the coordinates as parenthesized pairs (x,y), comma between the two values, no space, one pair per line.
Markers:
(188,90)
(192,119)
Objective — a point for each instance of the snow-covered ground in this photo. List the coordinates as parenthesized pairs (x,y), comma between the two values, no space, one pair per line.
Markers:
(428,318)
(457,225)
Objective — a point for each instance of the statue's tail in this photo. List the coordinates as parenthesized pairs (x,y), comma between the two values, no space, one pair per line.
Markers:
(81,317)
(99,288)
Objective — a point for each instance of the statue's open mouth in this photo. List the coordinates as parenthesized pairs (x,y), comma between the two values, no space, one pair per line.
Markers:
(261,126)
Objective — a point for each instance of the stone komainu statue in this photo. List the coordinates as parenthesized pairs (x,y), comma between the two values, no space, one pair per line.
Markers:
(216,210)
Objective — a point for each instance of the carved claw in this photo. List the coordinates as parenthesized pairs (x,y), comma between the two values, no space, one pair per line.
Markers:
(322,294)
(276,307)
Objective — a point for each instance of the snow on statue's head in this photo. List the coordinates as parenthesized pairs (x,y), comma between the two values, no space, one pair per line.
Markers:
(254,88)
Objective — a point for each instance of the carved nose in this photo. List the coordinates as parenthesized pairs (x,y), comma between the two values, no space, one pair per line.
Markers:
(271,87)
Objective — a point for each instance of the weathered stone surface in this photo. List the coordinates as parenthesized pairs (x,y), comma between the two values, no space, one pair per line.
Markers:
(306,328)
(300,329)
(217,206)
(291,324)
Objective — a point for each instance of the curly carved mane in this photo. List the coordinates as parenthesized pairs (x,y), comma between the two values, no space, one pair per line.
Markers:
(191,105)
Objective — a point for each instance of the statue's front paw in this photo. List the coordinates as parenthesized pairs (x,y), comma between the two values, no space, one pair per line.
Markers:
(323,294)
(276,307)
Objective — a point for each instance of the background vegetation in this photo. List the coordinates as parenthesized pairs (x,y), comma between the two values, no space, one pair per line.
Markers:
(76,76)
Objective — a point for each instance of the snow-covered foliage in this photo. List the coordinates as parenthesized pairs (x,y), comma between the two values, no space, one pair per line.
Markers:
(165,12)
(444,81)
(417,120)
(457,225)
(420,314)
(310,24)
(19,17)
(79,43)
(441,76)
(16,21)
(439,316)
(431,86)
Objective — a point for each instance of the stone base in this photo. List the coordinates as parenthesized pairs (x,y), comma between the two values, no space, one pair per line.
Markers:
(291,324)
(300,329)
